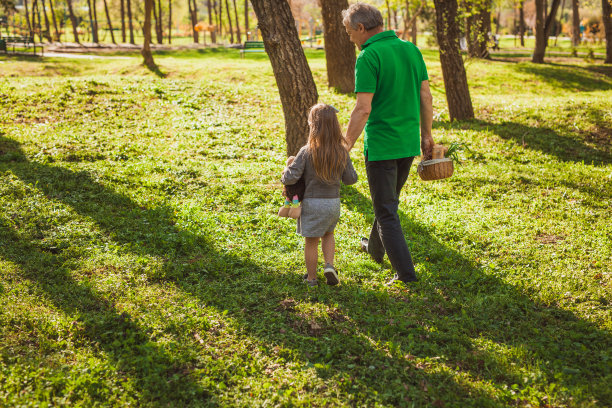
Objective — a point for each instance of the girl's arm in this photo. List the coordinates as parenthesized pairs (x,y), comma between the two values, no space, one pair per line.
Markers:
(349,176)
(294,171)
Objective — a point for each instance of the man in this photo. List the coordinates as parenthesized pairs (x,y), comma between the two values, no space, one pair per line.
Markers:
(393,103)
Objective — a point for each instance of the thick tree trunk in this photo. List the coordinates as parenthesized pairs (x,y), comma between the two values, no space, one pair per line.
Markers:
(540,46)
(213,33)
(57,33)
(169,21)
(146,30)
(110,25)
(413,33)
(73,21)
(296,86)
(522,22)
(130,22)
(229,19)
(239,38)
(606,6)
(453,70)
(575,23)
(339,50)
(122,11)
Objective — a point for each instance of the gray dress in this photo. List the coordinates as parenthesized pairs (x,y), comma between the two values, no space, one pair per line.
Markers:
(321,204)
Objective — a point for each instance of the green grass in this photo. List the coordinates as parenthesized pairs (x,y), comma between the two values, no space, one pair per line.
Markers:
(142,263)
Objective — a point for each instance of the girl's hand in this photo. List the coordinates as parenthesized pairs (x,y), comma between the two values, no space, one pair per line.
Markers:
(290,160)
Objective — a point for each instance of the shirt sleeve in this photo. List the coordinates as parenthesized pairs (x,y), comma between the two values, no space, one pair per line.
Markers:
(349,176)
(366,75)
(294,171)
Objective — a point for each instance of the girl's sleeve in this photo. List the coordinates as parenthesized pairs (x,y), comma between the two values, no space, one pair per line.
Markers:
(349,176)
(294,171)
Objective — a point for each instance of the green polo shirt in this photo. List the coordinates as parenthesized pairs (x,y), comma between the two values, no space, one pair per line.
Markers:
(391,69)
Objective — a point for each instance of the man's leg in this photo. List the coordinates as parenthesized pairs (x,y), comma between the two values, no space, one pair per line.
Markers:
(386,179)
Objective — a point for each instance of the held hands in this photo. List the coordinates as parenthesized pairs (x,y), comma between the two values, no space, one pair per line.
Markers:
(290,160)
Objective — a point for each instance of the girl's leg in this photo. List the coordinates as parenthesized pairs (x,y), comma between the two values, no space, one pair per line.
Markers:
(328,245)
(311,256)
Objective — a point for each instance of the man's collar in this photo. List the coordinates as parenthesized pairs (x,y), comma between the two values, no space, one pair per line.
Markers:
(379,36)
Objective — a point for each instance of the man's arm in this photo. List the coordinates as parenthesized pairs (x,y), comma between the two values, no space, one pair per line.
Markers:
(359,117)
(427,141)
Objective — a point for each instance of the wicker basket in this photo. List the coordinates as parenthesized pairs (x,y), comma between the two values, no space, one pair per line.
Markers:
(435,169)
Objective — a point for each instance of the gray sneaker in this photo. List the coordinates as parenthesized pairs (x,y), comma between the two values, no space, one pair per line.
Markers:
(331,275)
(311,283)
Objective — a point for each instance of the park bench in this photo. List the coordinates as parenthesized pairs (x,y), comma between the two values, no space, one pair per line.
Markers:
(252,46)
(23,41)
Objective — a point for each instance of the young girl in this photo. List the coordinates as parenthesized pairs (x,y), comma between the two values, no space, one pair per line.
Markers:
(324,162)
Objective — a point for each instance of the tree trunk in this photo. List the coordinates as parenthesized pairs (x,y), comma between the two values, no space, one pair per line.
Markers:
(339,50)
(606,6)
(130,23)
(221,31)
(91,24)
(246,19)
(110,25)
(550,19)
(213,32)
(73,21)
(229,19)
(478,27)
(27,17)
(57,33)
(96,38)
(122,11)
(193,14)
(146,30)
(158,21)
(410,25)
(155,21)
(169,21)
(296,86)
(575,23)
(388,15)
(47,31)
(453,70)
(540,46)
(239,38)
(522,22)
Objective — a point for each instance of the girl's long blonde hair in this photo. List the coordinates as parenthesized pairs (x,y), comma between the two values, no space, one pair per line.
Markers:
(326,143)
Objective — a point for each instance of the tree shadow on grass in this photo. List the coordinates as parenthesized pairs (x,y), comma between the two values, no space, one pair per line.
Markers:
(548,141)
(571,77)
(472,305)
(378,345)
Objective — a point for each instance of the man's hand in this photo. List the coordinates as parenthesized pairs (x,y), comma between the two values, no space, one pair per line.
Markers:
(290,160)
(427,144)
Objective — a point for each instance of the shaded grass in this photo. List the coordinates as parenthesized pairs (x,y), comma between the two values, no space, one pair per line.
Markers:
(142,261)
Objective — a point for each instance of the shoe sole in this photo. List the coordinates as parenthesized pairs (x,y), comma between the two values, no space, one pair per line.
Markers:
(332,277)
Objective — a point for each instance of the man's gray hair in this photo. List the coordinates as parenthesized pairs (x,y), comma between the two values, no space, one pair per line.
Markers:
(361,13)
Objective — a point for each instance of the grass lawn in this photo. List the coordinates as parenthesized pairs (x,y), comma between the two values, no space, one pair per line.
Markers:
(142,262)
